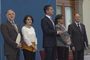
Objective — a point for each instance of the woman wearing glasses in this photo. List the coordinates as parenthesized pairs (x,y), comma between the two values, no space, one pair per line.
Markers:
(62,44)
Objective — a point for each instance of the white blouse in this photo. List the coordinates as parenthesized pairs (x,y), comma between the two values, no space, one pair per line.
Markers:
(29,35)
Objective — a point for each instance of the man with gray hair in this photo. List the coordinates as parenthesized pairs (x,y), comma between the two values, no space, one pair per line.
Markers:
(10,30)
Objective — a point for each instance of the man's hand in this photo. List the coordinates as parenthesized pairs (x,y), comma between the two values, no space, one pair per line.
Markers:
(19,45)
(87,48)
(60,32)
(69,43)
(73,48)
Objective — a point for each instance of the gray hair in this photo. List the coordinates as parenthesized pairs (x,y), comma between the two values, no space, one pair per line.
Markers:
(8,10)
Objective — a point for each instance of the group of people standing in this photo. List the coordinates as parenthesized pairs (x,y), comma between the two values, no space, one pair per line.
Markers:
(52,39)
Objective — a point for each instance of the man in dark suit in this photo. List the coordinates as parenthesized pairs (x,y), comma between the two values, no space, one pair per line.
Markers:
(78,37)
(10,30)
(49,34)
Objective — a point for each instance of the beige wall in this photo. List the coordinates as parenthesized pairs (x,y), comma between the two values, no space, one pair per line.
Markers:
(86,17)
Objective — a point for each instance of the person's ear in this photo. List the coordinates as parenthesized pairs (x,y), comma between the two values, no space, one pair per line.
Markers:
(46,11)
(6,15)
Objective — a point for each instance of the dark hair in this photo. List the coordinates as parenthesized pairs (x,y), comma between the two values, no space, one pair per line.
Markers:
(46,8)
(59,16)
(25,18)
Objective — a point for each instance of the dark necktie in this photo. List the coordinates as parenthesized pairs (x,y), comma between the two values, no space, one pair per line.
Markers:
(79,27)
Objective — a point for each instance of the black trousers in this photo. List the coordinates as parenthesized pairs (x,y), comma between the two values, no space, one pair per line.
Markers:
(13,57)
(28,55)
(78,54)
(63,53)
(50,53)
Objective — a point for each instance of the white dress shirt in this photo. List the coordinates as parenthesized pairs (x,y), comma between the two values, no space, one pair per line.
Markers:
(79,25)
(29,35)
(51,21)
(12,21)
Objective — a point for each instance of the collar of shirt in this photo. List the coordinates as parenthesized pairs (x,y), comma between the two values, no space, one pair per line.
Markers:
(77,23)
(10,21)
(48,16)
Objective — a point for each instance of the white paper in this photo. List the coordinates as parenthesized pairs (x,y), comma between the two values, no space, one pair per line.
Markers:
(18,39)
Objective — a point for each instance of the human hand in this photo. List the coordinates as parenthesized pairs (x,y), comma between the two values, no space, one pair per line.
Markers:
(34,50)
(73,48)
(69,43)
(67,38)
(19,45)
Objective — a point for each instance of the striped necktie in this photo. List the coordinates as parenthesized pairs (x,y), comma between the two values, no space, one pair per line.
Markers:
(14,25)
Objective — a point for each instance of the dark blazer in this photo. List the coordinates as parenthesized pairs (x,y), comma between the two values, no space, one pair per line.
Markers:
(77,37)
(60,41)
(9,34)
(49,33)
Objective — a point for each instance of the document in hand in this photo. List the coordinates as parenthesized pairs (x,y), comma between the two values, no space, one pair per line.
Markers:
(64,35)
(18,39)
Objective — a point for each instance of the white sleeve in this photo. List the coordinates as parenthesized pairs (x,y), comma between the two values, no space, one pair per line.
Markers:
(35,37)
(26,39)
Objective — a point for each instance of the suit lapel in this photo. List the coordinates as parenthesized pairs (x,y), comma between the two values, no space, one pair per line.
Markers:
(17,27)
(81,28)
(61,27)
(77,27)
(11,25)
(49,21)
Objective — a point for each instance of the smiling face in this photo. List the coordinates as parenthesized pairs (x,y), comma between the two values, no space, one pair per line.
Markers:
(10,15)
(29,21)
(77,18)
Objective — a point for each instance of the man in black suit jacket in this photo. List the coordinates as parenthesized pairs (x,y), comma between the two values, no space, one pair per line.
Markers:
(78,37)
(49,34)
(9,32)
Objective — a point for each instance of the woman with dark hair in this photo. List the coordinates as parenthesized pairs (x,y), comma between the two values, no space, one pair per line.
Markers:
(62,44)
(30,41)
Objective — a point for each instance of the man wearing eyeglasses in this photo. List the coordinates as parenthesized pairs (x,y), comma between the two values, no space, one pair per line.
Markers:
(78,38)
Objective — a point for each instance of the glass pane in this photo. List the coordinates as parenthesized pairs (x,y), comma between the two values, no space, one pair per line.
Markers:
(68,16)
(59,10)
